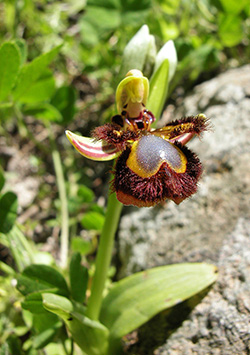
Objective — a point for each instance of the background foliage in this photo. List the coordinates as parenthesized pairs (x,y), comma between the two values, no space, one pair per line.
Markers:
(59,62)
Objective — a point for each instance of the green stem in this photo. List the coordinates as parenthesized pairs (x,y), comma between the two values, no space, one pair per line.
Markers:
(104,255)
(64,204)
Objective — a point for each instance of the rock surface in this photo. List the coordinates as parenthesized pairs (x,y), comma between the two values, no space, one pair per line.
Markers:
(212,226)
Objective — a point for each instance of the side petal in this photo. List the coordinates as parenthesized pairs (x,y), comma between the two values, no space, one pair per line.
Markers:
(92,149)
(184,129)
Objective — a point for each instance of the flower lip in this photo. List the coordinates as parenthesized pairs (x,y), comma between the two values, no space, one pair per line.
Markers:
(150,152)
(132,189)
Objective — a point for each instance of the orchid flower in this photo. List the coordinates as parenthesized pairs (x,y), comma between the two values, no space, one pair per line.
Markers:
(152,164)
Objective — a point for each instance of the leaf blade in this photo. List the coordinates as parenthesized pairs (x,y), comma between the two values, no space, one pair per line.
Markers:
(10,61)
(137,298)
(78,278)
(91,336)
(8,211)
(41,278)
(31,72)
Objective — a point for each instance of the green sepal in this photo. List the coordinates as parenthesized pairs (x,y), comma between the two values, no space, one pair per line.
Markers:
(158,89)
(137,51)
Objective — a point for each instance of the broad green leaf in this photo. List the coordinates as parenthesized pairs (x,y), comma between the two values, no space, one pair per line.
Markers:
(93,221)
(40,90)
(78,278)
(91,336)
(41,278)
(230,30)
(34,303)
(137,298)
(2,179)
(32,71)
(158,89)
(44,111)
(8,211)
(10,60)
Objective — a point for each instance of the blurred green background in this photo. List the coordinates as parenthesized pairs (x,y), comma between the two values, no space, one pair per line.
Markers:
(210,35)
(72,86)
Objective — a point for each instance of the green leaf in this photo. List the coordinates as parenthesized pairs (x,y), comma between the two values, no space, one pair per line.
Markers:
(2,179)
(8,211)
(34,303)
(14,344)
(78,278)
(32,71)
(41,278)
(91,336)
(158,89)
(230,30)
(40,90)
(10,60)
(43,111)
(93,221)
(137,298)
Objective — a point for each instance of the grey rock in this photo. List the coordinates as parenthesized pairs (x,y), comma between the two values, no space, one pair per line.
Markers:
(221,323)
(209,226)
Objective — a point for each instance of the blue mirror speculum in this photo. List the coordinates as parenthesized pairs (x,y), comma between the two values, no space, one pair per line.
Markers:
(153,164)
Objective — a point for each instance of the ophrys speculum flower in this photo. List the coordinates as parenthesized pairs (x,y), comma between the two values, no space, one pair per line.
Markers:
(152,164)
